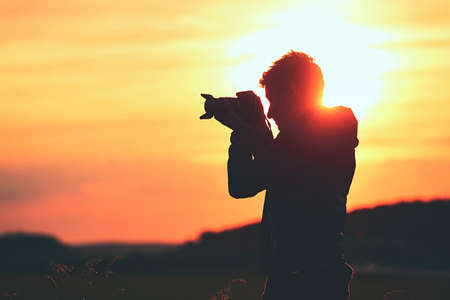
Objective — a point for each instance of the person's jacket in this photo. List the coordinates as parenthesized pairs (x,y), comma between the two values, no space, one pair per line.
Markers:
(306,172)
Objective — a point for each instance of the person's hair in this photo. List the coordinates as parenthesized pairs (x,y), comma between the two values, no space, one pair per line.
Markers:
(297,72)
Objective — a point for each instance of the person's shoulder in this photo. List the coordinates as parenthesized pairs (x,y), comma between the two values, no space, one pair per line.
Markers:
(340,122)
(340,114)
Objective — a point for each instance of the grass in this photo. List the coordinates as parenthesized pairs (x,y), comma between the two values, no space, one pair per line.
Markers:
(197,286)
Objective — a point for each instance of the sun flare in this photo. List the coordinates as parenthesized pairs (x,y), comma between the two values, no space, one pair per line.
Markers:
(351,66)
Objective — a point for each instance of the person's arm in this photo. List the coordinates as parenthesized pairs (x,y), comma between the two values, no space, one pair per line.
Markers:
(245,166)
(250,137)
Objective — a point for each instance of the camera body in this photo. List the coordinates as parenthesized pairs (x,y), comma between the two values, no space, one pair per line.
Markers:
(214,105)
(246,106)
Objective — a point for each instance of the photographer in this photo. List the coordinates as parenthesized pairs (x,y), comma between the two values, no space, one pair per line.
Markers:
(306,172)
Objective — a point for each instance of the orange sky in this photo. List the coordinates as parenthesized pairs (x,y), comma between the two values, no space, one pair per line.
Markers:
(100,105)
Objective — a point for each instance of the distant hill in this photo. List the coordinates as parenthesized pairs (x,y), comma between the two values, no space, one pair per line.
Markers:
(24,252)
(122,249)
(409,234)
(406,234)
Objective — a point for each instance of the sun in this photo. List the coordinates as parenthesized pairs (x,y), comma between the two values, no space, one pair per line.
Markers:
(351,65)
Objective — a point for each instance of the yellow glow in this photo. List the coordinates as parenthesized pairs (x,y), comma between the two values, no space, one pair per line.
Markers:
(351,66)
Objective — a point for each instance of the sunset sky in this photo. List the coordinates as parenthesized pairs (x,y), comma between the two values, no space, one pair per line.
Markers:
(100,104)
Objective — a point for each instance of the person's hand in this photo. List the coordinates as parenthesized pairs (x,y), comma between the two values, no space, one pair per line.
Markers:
(250,106)
(256,132)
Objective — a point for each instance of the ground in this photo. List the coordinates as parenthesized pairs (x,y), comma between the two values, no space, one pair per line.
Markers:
(201,286)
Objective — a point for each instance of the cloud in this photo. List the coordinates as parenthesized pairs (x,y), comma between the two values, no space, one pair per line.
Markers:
(386,13)
(23,183)
(417,43)
(157,200)
(100,21)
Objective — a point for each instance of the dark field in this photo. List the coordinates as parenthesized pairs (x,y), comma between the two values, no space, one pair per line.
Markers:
(201,286)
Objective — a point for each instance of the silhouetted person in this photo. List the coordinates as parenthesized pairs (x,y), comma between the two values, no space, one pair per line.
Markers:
(306,172)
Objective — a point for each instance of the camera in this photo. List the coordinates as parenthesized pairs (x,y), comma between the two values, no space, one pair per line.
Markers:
(233,111)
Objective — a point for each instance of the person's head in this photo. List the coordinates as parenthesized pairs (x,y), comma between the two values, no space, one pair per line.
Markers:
(293,83)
